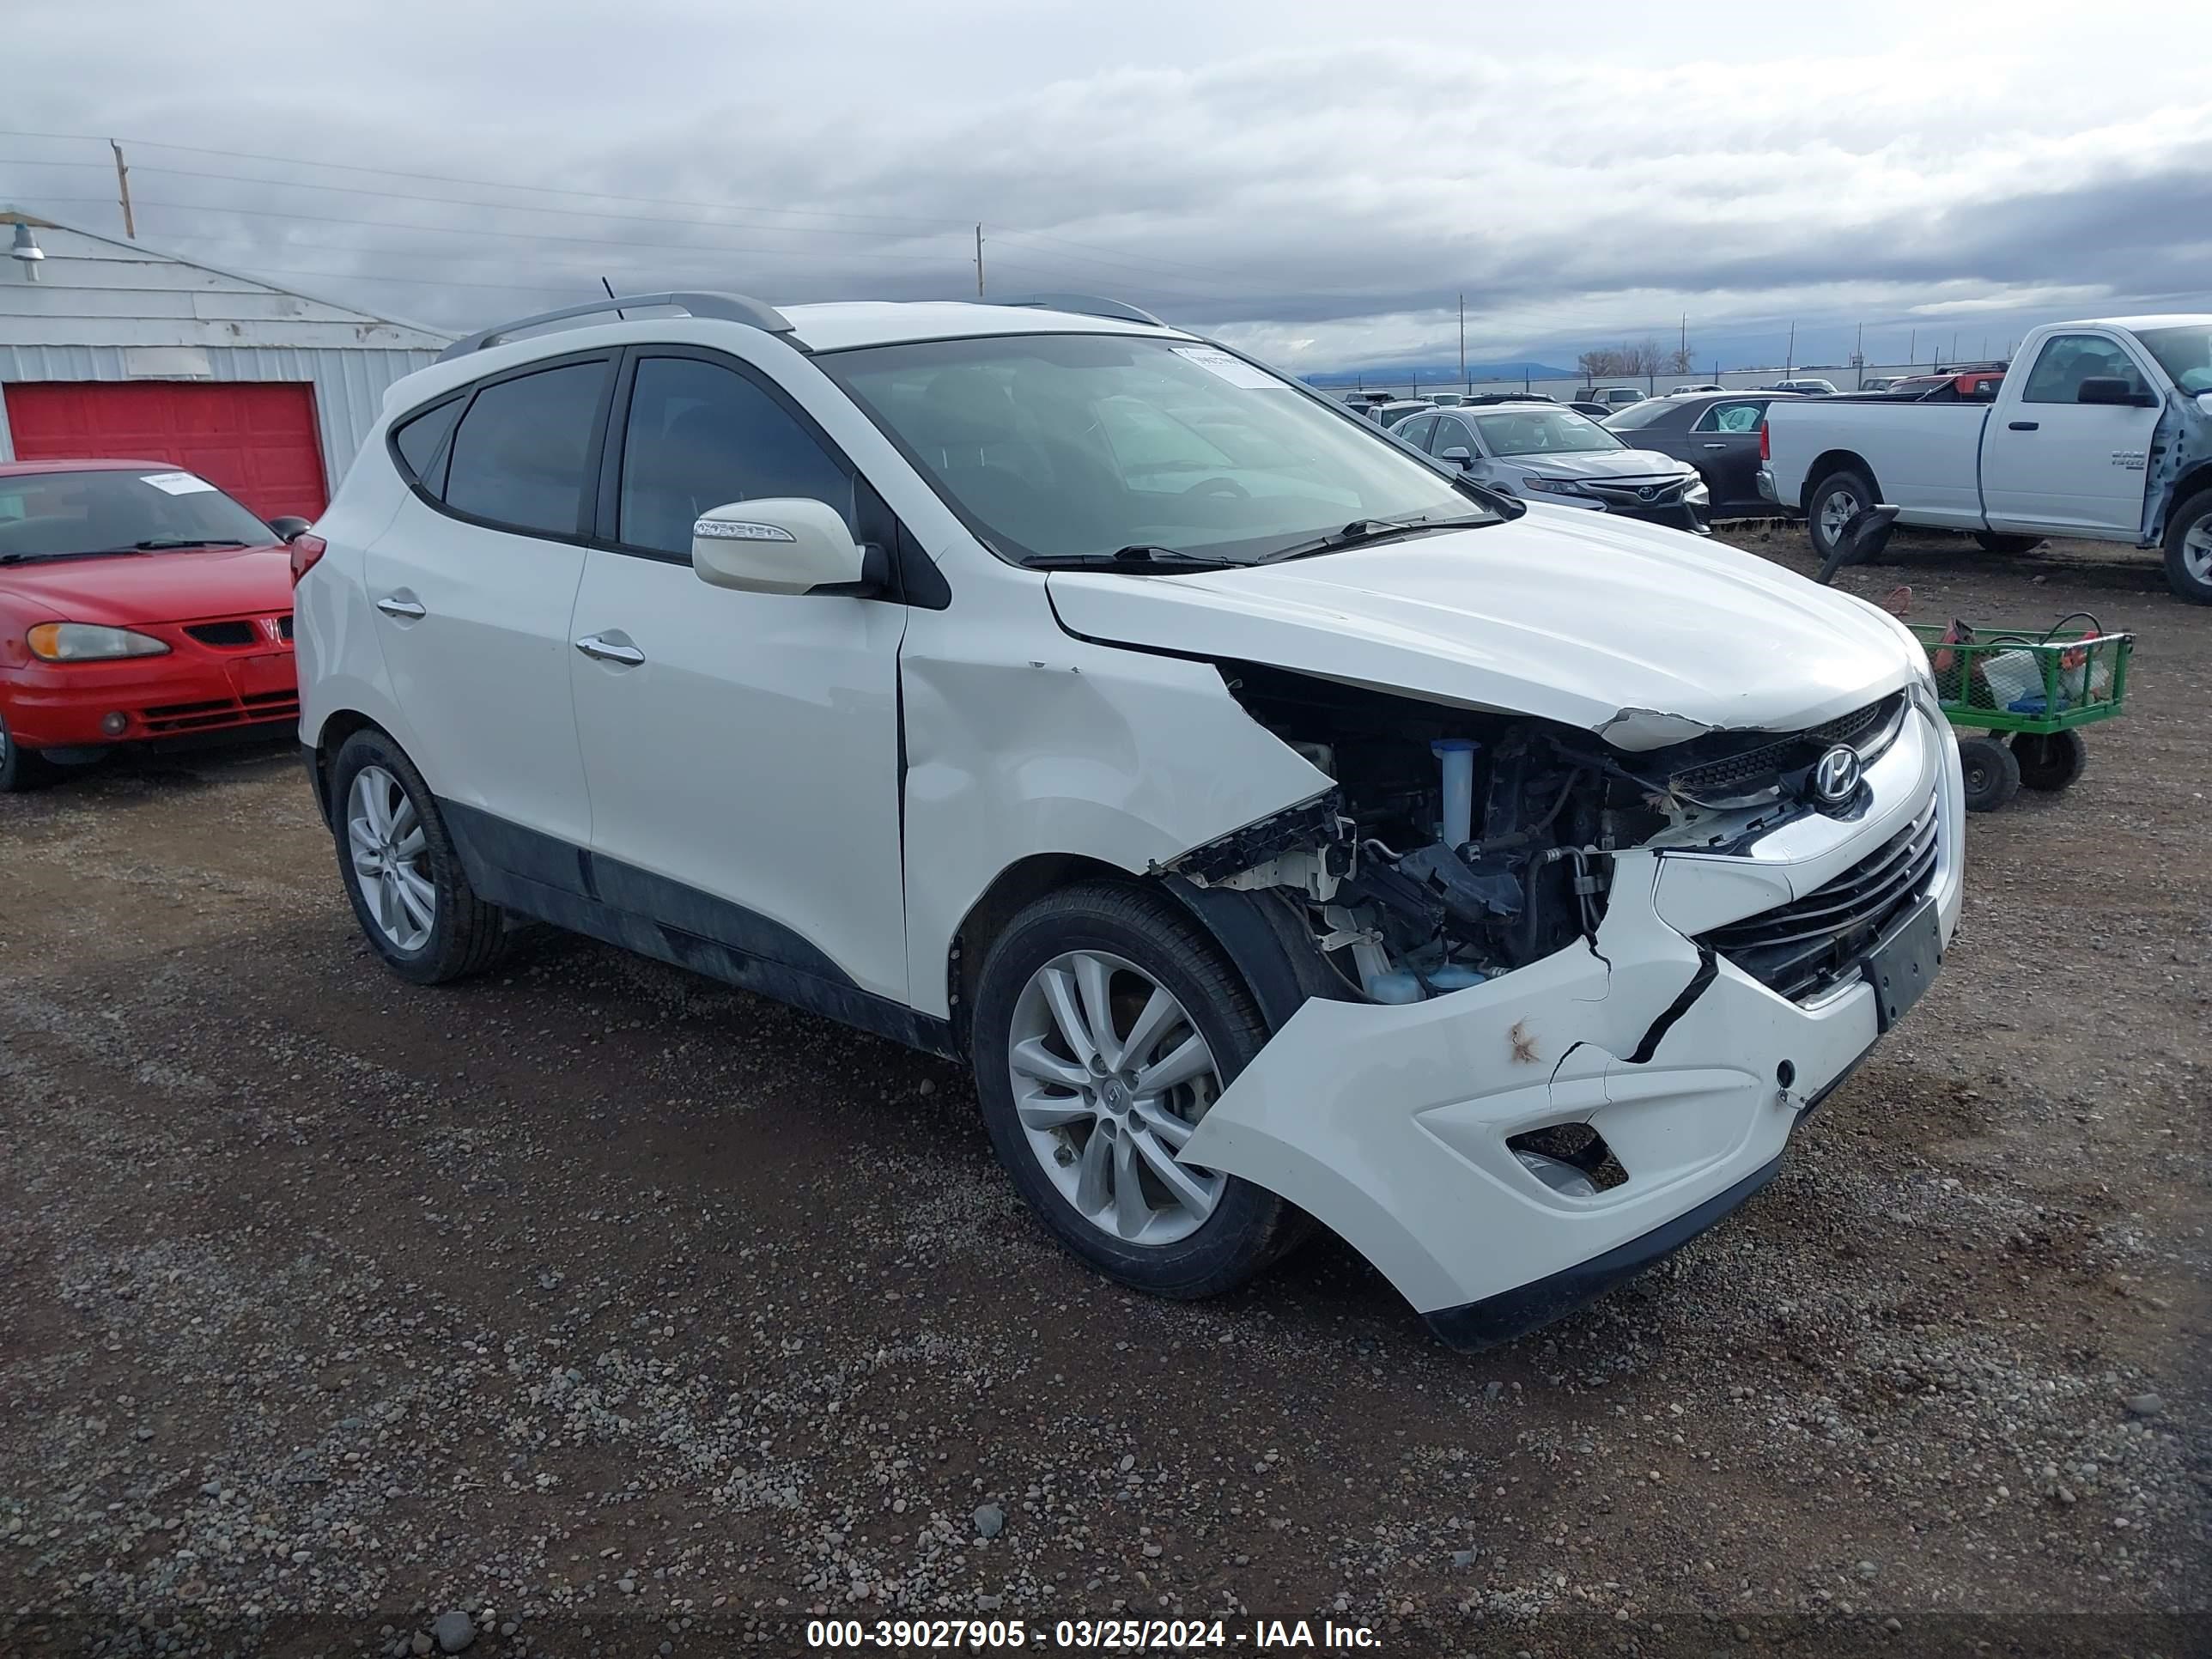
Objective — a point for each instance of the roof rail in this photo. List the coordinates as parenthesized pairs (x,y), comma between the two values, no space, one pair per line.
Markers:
(1087,304)
(719,308)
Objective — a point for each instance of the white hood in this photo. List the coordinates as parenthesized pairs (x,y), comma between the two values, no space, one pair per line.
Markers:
(1646,636)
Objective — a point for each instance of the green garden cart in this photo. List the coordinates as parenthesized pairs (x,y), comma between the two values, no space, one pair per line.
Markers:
(2019,698)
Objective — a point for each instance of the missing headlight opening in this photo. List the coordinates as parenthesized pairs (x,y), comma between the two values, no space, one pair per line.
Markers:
(1460,845)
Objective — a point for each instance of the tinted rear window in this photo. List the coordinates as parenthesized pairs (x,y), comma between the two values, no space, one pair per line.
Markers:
(521,452)
(420,441)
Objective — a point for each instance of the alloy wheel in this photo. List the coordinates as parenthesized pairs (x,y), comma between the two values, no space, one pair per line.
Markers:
(2197,551)
(391,858)
(1110,1078)
(1837,508)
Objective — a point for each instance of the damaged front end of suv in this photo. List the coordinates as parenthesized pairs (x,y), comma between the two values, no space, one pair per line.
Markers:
(1551,998)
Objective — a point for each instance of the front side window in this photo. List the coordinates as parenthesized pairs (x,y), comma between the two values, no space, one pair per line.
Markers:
(2067,360)
(1065,446)
(1452,434)
(1543,432)
(520,454)
(700,436)
(47,515)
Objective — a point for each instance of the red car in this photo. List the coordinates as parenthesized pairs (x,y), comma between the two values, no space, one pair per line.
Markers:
(137,602)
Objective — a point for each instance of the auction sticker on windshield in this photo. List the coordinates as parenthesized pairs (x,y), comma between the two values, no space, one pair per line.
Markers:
(175,483)
(1235,370)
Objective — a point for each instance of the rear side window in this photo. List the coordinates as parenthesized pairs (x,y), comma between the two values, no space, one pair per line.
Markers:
(1730,417)
(700,436)
(420,441)
(522,451)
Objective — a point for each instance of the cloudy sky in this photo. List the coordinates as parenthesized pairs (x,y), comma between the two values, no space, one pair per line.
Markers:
(1316,182)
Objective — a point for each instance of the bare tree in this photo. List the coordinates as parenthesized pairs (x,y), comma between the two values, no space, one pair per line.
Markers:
(1641,359)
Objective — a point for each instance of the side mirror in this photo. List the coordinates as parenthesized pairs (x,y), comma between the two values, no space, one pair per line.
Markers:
(787,544)
(2112,389)
(1458,455)
(288,528)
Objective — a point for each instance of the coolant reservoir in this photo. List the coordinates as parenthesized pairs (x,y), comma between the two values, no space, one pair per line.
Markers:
(1395,987)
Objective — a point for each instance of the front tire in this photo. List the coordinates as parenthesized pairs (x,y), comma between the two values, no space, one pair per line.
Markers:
(1105,1027)
(2189,550)
(1992,773)
(1835,502)
(22,768)
(402,873)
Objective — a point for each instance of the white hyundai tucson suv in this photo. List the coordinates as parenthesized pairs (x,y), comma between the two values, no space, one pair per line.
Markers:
(1288,830)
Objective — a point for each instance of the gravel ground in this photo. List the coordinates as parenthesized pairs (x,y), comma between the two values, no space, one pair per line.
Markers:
(599,1308)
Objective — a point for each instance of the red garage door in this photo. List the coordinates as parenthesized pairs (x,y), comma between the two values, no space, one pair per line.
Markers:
(256,441)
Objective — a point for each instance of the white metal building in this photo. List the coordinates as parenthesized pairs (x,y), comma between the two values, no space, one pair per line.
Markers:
(110,347)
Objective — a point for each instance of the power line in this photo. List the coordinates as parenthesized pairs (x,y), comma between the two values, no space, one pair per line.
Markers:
(448,179)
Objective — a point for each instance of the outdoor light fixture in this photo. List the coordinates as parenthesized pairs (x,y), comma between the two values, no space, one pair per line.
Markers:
(28,250)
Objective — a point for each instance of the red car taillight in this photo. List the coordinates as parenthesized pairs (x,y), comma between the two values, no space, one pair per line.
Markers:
(306,549)
(1765,449)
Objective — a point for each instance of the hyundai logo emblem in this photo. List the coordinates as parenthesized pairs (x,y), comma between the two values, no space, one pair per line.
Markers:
(1835,776)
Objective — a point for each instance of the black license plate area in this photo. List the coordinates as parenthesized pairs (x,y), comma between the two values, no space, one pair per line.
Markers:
(1903,966)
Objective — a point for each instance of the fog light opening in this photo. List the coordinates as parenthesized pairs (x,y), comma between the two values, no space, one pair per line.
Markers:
(1569,1158)
(115,723)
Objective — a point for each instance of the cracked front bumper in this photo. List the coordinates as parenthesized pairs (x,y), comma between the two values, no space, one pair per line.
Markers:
(1389,1124)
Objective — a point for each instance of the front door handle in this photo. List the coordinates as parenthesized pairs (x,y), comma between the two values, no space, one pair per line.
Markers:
(611,647)
(2023,426)
(403,605)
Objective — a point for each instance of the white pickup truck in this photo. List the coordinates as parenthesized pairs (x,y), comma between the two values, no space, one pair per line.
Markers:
(2101,430)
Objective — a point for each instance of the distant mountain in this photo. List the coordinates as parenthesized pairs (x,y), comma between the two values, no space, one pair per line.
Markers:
(1401,374)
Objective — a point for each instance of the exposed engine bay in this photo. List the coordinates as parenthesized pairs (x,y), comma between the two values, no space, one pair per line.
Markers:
(1462,844)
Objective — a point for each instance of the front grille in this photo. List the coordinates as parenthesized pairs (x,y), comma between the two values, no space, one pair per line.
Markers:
(174,718)
(1652,493)
(239,632)
(1868,730)
(222,633)
(1810,943)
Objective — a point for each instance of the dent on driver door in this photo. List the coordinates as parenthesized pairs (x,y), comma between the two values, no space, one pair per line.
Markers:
(751,755)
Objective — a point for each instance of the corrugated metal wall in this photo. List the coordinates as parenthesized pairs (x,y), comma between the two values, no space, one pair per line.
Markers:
(350,384)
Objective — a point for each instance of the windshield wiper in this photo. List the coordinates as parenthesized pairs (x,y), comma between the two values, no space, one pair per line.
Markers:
(1360,531)
(163,543)
(1139,555)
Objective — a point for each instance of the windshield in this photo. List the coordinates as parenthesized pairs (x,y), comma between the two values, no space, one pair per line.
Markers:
(2184,353)
(1543,432)
(1060,445)
(46,515)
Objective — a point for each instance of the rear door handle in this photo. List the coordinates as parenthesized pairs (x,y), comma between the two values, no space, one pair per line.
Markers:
(1715,446)
(2023,426)
(403,605)
(611,647)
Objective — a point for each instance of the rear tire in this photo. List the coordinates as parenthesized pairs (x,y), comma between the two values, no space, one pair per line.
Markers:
(1835,501)
(2189,550)
(1992,773)
(22,768)
(394,853)
(1992,543)
(1078,1132)
(2050,761)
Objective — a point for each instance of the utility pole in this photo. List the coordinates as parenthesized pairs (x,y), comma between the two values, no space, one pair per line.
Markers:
(122,190)
(979,261)
(1682,357)
(1789,355)
(1463,385)
(1912,349)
